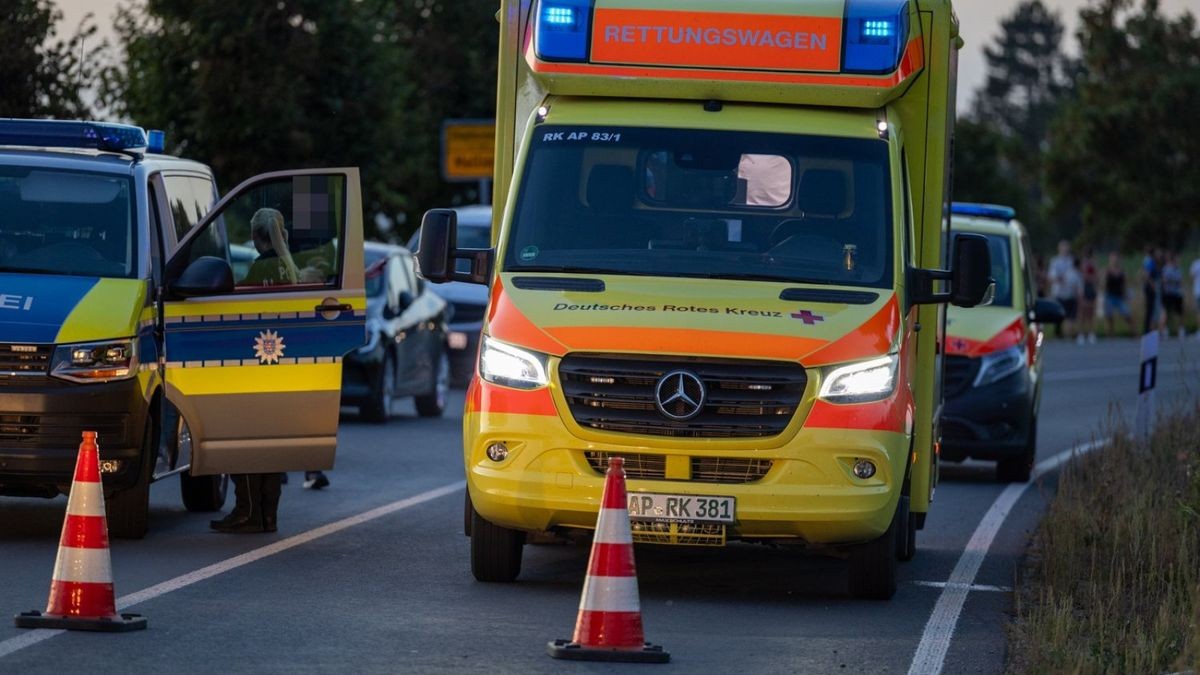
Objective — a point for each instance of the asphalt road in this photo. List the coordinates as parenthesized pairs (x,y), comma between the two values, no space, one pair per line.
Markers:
(391,590)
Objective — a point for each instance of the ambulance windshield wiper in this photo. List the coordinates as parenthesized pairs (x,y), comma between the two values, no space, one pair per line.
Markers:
(569,269)
(742,276)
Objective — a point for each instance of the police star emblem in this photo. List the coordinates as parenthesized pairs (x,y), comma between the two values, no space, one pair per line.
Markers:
(268,347)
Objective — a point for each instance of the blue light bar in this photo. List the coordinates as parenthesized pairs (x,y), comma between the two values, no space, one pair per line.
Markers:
(983,210)
(71,134)
(876,35)
(156,141)
(562,30)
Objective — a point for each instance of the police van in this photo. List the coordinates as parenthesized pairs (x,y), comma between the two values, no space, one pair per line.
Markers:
(197,339)
(993,364)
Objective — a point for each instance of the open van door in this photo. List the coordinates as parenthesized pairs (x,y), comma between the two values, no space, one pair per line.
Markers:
(253,350)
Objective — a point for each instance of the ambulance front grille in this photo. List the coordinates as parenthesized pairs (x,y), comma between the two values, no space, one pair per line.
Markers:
(958,374)
(22,360)
(53,431)
(725,470)
(743,399)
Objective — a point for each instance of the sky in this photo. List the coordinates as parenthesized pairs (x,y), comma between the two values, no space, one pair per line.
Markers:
(980,21)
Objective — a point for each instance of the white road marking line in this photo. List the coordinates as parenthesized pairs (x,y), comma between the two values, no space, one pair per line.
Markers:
(972,587)
(930,656)
(29,639)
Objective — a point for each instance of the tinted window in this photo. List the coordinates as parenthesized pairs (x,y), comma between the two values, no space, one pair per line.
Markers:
(676,202)
(190,198)
(1001,252)
(66,222)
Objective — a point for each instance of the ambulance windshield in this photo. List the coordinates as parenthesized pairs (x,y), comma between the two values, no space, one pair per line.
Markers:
(66,222)
(678,202)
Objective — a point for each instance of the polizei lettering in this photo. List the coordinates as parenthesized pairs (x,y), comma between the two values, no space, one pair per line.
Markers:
(20,302)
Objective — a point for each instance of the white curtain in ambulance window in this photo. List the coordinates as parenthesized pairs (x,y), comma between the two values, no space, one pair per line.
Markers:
(767,179)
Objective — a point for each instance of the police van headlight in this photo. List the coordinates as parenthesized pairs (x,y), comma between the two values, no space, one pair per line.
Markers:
(861,382)
(95,361)
(501,363)
(999,365)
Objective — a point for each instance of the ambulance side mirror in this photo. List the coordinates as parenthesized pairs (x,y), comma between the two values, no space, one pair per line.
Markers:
(968,282)
(971,281)
(437,254)
(206,275)
(1046,310)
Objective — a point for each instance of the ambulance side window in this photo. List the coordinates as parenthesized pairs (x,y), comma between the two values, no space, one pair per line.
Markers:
(280,232)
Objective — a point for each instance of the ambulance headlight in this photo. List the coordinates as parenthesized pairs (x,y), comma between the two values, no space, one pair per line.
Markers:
(861,382)
(999,365)
(95,361)
(504,364)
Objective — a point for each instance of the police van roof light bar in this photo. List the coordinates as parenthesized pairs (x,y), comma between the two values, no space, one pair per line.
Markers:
(72,134)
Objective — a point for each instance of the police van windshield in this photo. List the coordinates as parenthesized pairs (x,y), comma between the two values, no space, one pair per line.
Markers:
(730,205)
(66,222)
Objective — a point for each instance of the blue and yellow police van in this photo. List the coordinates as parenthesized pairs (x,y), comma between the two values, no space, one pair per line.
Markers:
(199,337)
(993,363)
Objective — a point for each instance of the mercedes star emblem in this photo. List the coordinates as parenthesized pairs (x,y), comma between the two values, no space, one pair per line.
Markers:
(679,395)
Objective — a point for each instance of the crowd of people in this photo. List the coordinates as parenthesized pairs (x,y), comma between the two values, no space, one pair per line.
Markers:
(1088,292)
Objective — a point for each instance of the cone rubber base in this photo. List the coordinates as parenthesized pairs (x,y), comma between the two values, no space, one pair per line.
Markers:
(572,651)
(121,623)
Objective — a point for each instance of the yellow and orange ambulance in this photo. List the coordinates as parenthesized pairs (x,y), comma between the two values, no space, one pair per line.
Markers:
(718,253)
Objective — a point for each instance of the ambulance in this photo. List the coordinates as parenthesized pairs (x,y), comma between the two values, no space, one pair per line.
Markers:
(197,339)
(719,254)
(993,365)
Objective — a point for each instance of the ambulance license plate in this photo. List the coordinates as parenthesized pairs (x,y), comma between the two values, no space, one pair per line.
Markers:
(649,506)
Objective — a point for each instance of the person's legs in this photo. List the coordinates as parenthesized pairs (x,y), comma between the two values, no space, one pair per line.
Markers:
(241,506)
(272,488)
(1151,300)
(247,486)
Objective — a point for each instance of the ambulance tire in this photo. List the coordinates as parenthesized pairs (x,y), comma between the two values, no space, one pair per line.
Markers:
(906,541)
(128,510)
(495,551)
(203,493)
(1020,469)
(383,386)
(873,565)
(433,404)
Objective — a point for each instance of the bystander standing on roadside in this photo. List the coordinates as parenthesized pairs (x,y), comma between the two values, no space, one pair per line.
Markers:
(1087,303)
(1151,276)
(1172,296)
(1065,286)
(1116,295)
(1194,271)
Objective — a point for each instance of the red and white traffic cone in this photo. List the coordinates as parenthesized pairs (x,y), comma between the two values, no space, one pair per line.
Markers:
(81,592)
(609,627)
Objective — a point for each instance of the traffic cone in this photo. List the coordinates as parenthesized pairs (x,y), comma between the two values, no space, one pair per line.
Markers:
(81,591)
(609,627)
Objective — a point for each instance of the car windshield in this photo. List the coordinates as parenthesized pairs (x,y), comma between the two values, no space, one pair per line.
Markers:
(677,202)
(66,222)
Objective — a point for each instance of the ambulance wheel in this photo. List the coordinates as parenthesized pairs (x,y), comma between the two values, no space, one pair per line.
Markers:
(203,493)
(873,565)
(1019,469)
(906,541)
(433,404)
(128,510)
(383,387)
(495,551)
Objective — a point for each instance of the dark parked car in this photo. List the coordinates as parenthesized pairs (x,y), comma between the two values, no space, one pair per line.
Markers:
(405,353)
(468,301)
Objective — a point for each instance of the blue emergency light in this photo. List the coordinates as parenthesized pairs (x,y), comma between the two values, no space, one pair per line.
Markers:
(983,210)
(563,30)
(156,141)
(72,134)
(876,35)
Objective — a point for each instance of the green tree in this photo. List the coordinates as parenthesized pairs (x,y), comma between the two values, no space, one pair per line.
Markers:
(1125,154)
(982,172)
(41,76)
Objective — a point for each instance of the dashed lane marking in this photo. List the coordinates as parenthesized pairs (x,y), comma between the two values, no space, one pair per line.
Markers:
(29,639)
(972,587)
(930,656)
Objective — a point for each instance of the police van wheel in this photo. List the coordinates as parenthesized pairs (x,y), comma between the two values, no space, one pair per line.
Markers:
(433,404)
(1019,469)
(495,551)
(203,493)
(128,511)
(873,565)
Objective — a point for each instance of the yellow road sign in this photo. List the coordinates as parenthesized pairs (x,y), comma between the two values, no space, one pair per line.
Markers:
(468,149)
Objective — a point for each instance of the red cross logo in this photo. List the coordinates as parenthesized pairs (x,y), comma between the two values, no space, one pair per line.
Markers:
(807,317)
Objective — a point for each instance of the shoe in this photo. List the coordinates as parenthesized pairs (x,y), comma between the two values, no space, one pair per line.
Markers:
(315,480)
(242,486)
(245,526)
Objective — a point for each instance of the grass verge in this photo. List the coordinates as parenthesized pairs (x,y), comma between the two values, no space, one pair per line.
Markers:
(1112,579)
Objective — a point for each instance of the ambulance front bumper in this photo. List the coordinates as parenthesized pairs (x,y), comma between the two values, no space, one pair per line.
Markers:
(41,422)
(804,490)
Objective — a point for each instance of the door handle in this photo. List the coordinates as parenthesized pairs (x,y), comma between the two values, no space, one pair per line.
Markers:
(330,308)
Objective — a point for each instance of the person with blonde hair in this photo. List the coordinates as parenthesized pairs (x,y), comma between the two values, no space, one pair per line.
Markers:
(274,265)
